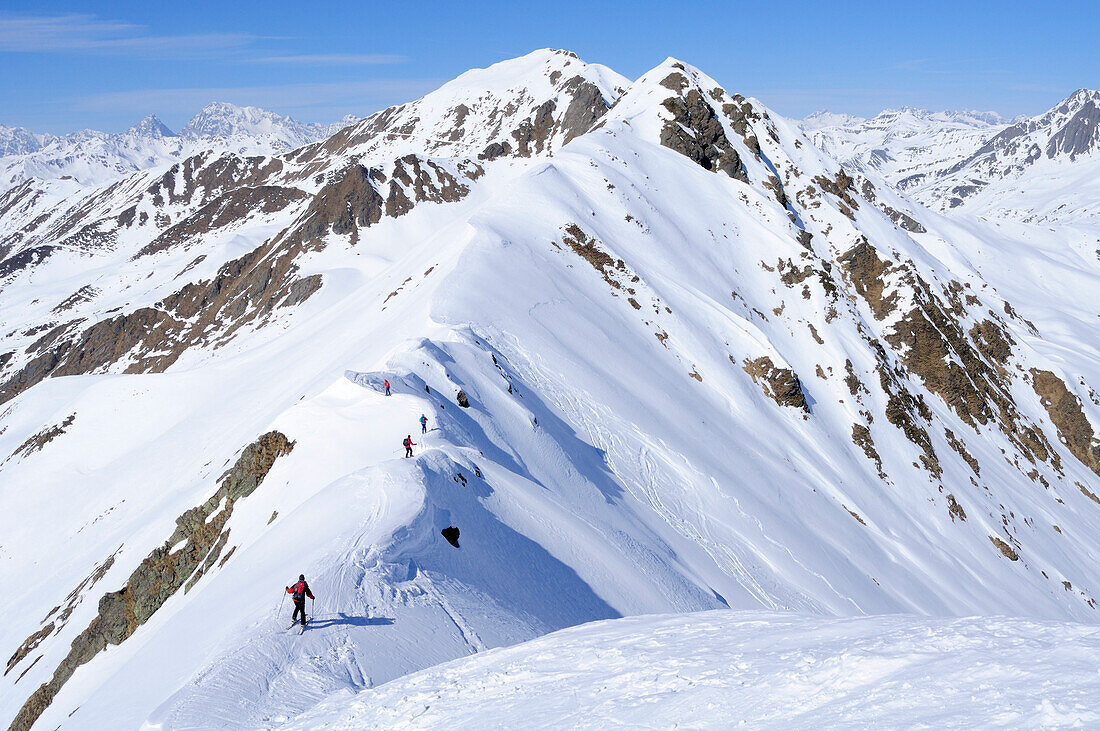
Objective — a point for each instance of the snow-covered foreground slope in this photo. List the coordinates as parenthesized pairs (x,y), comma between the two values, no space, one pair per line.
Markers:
(673,359)
(724,669)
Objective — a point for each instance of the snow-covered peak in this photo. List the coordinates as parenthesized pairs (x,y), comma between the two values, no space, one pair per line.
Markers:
(542,68)
(221,119)
(522,107)
(825,118)
(1081,97)
(150,127)
(964,117)
(20,140)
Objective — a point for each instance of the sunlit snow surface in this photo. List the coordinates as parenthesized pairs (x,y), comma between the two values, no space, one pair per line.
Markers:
(761,670)
(620,473)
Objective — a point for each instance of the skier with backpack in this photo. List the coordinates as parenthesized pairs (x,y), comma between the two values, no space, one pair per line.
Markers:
(299,591)
(409,444)
(386,385)
(423,424)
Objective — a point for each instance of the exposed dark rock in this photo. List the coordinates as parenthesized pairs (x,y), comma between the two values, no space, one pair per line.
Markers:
(586,107)
(588,248)
(1079,135)
(343,206)
(533,134)
(451,534)
(960,448)
(842,186)
(42,438)
(696,132)
(861,437)
(230,207)
(1005,549)
(902,219)
(84,294)
(855,515)
(494,150)
(1088,493)
(243,291)
(1065,410)
(164,571)
(955,509)
(866,271)
(26,259)
(992,341)
(463,401)
(28,646)
(779,384)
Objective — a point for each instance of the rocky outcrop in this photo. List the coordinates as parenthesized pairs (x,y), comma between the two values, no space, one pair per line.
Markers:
(586,107)
(780,384)
(867,273)
(861,437)
(42,438)
(1006,550)
(230,207)
(696,132)
(533,133)
(151,339)
(843,187)
(1065,411)
(967,369)
(192,549)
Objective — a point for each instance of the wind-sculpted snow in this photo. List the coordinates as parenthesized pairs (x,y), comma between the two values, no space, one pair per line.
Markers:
(680,361)
(726,669)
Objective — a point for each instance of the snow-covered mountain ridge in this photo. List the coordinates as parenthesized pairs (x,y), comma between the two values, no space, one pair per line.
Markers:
(673,357)
(94,158)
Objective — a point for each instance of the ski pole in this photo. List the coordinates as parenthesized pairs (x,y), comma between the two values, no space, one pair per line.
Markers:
(281,603)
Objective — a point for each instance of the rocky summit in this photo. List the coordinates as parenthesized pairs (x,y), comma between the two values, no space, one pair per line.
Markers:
(671,354)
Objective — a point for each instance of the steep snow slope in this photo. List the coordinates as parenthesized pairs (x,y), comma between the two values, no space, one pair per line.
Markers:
(703,367)
(723,669)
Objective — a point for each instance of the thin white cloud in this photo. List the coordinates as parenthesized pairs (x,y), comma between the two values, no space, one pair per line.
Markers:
(308,100)
(334,59)
(82,33)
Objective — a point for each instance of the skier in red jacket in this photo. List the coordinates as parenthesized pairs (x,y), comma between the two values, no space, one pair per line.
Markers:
(299,591)
(409,444)
(386,385)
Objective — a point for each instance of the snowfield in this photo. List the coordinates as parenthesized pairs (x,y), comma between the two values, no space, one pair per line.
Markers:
(725,669)
(674,359)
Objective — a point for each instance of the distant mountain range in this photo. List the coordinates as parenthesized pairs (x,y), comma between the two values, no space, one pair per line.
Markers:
(90,157)
(1036,169)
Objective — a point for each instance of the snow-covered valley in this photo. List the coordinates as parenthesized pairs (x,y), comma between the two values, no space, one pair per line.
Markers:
(674,359)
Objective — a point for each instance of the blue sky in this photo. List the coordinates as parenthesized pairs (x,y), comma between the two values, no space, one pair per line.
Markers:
(65,66)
